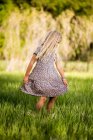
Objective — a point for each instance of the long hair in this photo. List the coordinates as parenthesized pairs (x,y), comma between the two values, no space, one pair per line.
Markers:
(50,42)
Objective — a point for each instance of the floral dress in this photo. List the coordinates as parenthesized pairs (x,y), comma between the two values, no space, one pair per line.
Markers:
(45,80)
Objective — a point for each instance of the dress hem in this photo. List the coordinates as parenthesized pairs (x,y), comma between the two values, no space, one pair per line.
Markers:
(39,95)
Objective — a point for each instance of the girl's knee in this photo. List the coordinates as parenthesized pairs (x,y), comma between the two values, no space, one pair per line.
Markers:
(43,98)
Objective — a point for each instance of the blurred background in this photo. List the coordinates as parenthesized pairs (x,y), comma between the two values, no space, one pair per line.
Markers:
(24,22)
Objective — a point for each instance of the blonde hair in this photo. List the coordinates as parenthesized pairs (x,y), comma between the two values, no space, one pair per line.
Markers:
(50,42)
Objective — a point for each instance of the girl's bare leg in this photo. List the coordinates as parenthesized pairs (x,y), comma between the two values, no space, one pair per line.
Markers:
(40,103)
(51,103)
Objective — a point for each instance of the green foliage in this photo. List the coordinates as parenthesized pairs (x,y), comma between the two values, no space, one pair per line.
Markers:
(6,7)
(57,6)
(2,39)
(23,29)
(2,13)
(71,117)
(14,27)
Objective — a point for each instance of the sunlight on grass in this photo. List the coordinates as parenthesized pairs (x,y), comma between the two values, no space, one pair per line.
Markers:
(80,74)
(71,118)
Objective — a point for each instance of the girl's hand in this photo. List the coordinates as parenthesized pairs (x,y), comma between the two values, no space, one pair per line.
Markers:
(65,81)
(32,61)
(25,80)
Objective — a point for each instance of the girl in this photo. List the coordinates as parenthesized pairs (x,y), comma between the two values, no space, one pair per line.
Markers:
(47,78)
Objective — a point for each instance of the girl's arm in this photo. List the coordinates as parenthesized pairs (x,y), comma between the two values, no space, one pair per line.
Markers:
(60,70)
(30,65)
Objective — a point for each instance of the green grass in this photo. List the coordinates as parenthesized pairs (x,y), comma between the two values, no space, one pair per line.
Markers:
(70,119)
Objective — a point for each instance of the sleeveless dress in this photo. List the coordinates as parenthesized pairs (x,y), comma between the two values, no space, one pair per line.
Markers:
(45,80)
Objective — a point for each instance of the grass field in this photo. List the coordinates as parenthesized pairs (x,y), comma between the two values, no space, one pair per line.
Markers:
(70,119)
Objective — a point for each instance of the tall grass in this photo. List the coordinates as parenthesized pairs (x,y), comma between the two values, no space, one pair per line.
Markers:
(70,119)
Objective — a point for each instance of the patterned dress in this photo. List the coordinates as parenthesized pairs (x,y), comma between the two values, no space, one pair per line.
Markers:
(45,80)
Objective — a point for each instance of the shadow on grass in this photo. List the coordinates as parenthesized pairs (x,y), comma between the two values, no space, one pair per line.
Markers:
(10,92)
